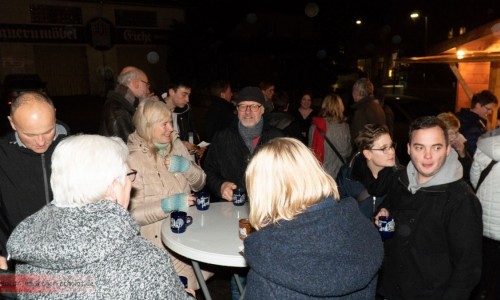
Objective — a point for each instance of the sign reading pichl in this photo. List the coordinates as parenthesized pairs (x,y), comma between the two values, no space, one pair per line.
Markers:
(99,33)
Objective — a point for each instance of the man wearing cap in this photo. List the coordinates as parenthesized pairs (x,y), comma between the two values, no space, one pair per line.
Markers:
(232,148)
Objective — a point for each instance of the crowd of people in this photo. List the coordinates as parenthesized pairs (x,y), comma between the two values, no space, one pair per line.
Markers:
(89,207)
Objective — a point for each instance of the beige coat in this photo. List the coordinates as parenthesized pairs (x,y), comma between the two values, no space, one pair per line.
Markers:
(154,183)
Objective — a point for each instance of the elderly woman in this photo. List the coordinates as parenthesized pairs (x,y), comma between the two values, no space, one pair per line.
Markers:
(376,150)
(330,129)
(85,243)
(166,175)
(308,244)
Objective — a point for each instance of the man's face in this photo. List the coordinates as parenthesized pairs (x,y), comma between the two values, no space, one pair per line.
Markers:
(35,123)
(140,86)
(484,110)
(180,97)
(248,117)
(268,93)
(428,152)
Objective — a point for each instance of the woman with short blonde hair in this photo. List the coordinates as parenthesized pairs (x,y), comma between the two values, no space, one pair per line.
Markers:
(303,230)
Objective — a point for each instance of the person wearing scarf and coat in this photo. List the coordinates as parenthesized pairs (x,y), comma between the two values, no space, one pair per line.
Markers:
(330,123)
(166,176)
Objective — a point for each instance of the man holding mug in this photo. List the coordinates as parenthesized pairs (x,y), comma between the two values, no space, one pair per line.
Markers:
(435,252)
(232,148)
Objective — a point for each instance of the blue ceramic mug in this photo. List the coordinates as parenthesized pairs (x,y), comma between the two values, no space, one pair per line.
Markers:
(239,196)
(179,221)
(202,200)
(386,226)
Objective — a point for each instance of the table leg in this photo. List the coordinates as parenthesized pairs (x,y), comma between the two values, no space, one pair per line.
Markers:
(238,283)
(201,280)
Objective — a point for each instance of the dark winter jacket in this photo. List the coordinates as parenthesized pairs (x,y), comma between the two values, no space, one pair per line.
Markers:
(24,182)
(352,180)
(117,113)
(185,123)
(472,126)
(96,246)
(436,250)
(367,111)
(328,252)
(228,156)
(220,115)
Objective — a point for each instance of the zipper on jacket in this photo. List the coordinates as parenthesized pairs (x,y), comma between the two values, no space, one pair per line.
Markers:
(45,181)
(374,199)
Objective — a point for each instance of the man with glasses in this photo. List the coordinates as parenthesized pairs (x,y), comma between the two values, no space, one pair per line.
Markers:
(116,119)
(473,121)
(232,148)
(435,252)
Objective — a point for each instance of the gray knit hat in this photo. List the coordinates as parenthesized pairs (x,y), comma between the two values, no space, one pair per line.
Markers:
(250,93)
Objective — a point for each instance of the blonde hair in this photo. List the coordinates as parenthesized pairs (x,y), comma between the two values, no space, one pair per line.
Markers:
(332,108)
(450,120)
(283,179)
(148,113)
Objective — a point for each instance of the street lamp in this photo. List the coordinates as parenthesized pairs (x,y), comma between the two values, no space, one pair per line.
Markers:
(416,15)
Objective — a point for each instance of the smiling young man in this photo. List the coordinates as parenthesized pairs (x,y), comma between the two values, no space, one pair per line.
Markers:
(25,162)
(436,250)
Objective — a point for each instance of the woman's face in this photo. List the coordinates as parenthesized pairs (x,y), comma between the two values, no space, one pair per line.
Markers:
(379,157)
(162,131)
(306,101)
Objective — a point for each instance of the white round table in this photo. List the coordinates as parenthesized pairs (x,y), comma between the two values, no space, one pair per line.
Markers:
(212,238)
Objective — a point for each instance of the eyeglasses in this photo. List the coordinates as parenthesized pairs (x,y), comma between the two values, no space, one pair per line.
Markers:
(131,175)
(253,107)
(386,150)
(146,83)
(488,108)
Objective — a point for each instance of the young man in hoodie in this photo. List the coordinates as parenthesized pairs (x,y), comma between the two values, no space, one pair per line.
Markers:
(436,250)
(25,162)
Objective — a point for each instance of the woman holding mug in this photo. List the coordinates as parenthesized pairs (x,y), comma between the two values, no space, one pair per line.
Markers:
(304,231)
(166,175)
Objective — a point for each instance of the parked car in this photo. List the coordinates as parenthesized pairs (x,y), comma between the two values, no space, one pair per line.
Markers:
(406,109)
(12,86)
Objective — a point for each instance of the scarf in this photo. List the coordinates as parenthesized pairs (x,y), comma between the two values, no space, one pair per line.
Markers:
(318,142)
(250,133)
(163,149)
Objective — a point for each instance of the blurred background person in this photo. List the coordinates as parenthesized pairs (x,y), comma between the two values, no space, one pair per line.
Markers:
(376,150)
(474,119)
(166,176)
(330,125)
(221,112)
(457,142)
(280,117)
(367,110)
(487,154)
(86,235)
(268,90)
(308,243)
(304,114)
